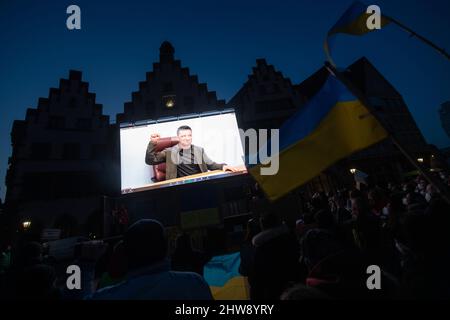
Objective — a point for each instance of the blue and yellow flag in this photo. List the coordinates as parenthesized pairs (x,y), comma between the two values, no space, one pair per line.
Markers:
(354,22)
(222,275)
(332,125)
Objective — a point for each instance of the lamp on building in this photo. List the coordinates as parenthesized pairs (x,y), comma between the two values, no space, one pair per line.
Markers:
(420,160)
(352,170)
(169,101)
(26,225)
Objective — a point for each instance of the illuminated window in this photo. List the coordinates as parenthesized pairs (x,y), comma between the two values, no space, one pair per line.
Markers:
(169,101)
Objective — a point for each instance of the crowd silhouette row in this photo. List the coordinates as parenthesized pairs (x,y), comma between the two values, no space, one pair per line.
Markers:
(322,254)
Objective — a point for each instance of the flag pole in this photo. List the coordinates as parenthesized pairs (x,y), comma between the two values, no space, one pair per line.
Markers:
(418,36)
(348,83)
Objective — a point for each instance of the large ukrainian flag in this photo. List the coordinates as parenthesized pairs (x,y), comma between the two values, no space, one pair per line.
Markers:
(353,22)
(225,281)
(332,125)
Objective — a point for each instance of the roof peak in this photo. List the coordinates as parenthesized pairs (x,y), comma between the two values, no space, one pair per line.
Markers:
(166,52)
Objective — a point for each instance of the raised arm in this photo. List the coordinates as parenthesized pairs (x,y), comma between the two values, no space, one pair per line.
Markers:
(152,156)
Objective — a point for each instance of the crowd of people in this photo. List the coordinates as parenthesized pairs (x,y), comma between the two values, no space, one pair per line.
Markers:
(323,254)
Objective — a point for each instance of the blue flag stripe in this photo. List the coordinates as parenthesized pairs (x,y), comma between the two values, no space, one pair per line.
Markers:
(220,269)
(306,120)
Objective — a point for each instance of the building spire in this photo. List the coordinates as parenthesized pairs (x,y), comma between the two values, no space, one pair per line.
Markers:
(166,52)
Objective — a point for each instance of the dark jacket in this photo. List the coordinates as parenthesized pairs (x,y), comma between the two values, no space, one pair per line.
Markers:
(157,282)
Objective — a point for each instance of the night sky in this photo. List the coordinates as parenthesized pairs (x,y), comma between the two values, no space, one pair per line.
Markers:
(219,41)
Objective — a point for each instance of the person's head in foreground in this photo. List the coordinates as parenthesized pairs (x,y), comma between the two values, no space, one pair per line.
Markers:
(145,243)
(149,276)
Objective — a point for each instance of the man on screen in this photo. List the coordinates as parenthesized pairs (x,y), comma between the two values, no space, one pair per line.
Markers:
(183,159)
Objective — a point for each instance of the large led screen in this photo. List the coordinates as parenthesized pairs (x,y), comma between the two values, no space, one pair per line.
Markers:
(180,150)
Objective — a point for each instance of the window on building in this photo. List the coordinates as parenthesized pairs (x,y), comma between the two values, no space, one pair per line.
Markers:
(56,122)
(262,90)
(72,103)
(71,151)
(84,124)
(71,184)
(167,87)
(41,150)
(169,101)
(189,103)
(37,186)
(276,88)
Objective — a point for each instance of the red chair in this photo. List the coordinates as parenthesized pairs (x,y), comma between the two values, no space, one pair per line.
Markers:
(159,170)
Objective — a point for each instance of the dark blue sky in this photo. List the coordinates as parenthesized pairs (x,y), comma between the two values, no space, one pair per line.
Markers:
(219,41)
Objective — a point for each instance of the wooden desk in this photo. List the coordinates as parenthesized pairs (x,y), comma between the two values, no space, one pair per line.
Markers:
(189,179)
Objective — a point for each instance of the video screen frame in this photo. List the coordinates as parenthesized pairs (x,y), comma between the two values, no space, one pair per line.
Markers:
(215,143)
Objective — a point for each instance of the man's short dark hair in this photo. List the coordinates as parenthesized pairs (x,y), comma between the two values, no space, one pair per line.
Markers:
(183,128)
